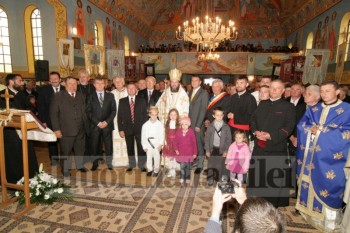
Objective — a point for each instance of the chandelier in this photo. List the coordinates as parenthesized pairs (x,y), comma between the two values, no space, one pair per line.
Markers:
(207,34)
(209,57)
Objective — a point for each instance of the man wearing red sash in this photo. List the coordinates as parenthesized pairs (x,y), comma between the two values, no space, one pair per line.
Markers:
(219,98)
(241,108)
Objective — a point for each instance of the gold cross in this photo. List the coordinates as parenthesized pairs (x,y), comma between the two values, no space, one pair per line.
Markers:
(7,97)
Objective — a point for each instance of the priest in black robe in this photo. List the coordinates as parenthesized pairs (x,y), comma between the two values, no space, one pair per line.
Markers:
(12,142)
(272,124)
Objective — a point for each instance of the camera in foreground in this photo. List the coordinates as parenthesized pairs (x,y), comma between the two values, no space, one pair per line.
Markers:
(227,186)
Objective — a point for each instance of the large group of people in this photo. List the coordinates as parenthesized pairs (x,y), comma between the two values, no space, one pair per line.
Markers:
(251,136)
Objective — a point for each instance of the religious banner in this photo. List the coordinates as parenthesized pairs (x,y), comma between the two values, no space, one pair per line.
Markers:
(315,67)
(115,63)
(66,53)
(94,59)
(340,62)
(298,63)
(228,63)
(130,68)
(286,69)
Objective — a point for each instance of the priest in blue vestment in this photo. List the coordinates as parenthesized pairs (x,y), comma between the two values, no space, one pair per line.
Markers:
(322,151)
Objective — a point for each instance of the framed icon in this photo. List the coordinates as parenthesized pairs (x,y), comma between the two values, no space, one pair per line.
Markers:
(149,70)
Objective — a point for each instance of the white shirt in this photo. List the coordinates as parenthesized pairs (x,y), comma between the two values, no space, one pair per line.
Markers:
(54,89)
(154,131)
(133,98)
(295,102)
(13,90)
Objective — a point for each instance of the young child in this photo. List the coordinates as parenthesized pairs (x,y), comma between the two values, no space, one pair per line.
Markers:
(216,143)
(152,139)
(238,156)
(172,124)
(185,146)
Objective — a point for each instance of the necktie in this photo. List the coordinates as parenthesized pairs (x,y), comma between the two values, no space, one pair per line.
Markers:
(100,99)
(193,94)
(56,89)
(132,108)
(149,95)
(73,95)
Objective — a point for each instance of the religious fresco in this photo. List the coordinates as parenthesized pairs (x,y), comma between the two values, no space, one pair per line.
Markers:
(161,61)
(262,64)
(228,63)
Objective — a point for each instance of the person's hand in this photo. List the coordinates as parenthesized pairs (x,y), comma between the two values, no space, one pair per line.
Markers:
(44,124)
(224,154)
(207,154)
(121,134)
(230,115)
(240,195)
(218,200)
(145,150)
(206,123)
(197,129)
(314,129)
(293,140)
(160,148)
(194,156)
(177,152)
(58,133)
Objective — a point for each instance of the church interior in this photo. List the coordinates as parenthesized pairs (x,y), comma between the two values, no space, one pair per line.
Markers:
(294,41)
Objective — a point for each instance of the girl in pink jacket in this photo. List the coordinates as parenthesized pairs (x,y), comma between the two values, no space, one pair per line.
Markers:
(238,156)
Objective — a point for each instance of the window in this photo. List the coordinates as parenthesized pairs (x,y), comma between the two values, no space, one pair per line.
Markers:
(37,35)
(5,54)
(126,46)
(96,33)
(344,34)
(309,41)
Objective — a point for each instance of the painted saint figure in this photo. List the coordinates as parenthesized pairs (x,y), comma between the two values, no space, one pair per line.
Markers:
(79,19)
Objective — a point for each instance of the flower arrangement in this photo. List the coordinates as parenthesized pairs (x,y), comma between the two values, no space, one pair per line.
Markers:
(44,189)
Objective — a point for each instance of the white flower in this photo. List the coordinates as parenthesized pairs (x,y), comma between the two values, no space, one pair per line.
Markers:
(54,181)
(37,193)
(17,193)
(55,190)
(41,167)
(60,190)
(47,196)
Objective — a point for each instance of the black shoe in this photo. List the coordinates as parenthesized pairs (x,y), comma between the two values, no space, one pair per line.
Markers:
(110,168)
(205,172)
(297,212)
(83,169)
(144,170)
(149,173)
(129,169)
(210,183)
(155,174)
(95,165)
(198,170)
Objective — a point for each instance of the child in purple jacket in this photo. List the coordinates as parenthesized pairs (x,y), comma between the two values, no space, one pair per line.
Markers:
(185,147)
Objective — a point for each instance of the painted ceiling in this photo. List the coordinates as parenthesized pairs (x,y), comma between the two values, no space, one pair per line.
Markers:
(157,20)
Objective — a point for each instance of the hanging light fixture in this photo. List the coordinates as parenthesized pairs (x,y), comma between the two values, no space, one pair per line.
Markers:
(208,33)
(209,57)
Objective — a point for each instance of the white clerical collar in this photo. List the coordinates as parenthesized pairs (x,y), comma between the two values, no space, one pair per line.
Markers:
(13,90)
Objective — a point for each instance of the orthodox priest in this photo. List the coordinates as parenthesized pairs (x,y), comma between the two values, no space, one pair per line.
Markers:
(322,150)
(173,97)
(272,123)
(12,142)
(120,154)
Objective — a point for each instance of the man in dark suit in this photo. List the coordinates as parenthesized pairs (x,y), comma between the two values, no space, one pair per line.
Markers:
(219,98)
(150,94)
(12,142)
(43,103)
(198,108)
(101,110)
(69,122)
(132,115)
(297,100)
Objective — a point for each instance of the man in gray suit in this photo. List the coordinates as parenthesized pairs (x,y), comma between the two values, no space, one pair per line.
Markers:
(69,122)
(198,108)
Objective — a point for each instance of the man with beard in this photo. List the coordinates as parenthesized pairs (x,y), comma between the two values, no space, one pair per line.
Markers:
(242,106)
(12,142)
(173,97)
